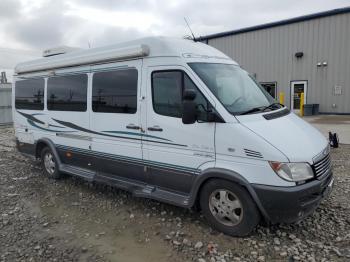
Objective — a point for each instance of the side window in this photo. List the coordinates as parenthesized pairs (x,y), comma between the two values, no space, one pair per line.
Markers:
(115,92)
(29,94)
(167,91)
(67,93)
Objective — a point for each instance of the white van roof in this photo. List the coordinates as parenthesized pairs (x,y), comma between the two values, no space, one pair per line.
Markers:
(149,46)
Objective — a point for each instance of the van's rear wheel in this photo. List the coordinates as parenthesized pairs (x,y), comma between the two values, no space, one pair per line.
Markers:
(49,163)
(229,208)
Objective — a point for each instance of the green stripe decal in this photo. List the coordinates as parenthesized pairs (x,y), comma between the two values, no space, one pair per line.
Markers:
(135,134)
(83,129)
(49,130)
(115,134)
(33,122)
(130,159)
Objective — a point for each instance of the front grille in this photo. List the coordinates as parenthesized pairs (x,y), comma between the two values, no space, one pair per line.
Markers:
(323,166)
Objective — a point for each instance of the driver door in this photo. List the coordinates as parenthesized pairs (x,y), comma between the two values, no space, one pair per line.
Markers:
(172,150)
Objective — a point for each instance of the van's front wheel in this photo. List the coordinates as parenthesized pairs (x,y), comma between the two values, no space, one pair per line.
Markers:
(229,208)
(49,163)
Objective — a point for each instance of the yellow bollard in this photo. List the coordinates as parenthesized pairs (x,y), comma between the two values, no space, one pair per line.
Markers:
(302,104)
(282,98)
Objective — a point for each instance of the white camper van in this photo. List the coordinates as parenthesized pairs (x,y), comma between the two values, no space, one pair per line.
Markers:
(176,121)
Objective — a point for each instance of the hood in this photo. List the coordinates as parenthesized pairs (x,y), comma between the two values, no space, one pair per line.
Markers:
(297,139)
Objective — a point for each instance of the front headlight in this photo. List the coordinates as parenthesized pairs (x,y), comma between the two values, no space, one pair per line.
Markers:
(293,171)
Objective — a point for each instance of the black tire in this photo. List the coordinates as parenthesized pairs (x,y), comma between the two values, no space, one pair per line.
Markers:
(247,212)
(49,172)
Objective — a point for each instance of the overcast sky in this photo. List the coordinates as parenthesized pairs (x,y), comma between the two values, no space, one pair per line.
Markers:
(29,26)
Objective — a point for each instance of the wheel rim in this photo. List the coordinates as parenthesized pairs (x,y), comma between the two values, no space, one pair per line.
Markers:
(226,207)
(49,163)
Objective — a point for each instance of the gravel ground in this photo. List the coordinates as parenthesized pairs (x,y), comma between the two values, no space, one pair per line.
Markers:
(72,220)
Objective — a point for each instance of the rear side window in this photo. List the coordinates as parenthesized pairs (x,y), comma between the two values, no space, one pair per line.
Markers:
(67,93)
(115,91)
(29,94)
(167,91)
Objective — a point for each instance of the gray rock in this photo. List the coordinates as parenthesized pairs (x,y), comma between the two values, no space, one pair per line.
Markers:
(291,236)
(176,243)
(276,241)
(198,245)
(186,242)
(283,254)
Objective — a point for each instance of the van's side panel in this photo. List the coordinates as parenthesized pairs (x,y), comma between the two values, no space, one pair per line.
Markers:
(63,128)
(25,132)
(69,124)
(116,135)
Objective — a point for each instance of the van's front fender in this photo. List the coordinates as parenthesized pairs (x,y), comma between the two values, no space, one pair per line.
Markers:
(220,173)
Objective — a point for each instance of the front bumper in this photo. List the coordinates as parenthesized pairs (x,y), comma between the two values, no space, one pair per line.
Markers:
(291,204)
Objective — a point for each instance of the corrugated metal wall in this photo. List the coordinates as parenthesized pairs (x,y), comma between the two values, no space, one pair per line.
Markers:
(5,106)
(270,54)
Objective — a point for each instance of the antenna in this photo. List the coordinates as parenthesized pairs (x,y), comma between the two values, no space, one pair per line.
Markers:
(194,39)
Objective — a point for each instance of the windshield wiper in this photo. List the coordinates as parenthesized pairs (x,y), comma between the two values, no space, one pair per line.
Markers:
(262,108)
(254,109)
(273,105)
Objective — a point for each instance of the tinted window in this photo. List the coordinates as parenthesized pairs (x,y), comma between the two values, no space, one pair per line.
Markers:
(167,90)
(30,94)
(115,91)
(270,88)
(167,93)
(67,93)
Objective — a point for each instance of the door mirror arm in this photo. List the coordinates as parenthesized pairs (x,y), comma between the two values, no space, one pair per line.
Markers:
(212,116)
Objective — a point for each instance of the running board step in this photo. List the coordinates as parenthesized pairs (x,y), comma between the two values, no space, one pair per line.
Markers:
(163,195)
(78,171)
(148,189)
(136,188)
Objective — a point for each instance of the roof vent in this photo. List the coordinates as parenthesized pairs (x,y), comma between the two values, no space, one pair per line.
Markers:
(252,153)
(59,50)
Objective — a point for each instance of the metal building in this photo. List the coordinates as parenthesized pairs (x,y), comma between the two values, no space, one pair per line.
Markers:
(309,54)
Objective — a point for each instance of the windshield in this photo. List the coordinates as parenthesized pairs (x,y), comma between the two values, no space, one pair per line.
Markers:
(234,87)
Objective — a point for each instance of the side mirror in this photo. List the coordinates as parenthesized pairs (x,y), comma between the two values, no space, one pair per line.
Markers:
(189,94)
(189,110)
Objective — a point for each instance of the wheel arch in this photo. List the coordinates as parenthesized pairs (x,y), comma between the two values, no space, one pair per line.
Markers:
(224,174)
(45,142)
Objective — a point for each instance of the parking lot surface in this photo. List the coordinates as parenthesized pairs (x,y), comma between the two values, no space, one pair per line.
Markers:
(339,124)
(73,220)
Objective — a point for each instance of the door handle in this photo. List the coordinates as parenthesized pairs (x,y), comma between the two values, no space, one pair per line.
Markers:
(155,128)
(132,126)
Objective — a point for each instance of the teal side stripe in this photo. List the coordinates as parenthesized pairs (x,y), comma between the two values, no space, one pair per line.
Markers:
(130,159)
(49,130)
(136,134)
